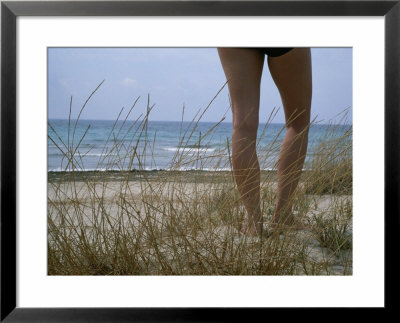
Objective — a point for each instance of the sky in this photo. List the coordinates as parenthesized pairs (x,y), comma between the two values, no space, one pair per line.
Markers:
(173,78)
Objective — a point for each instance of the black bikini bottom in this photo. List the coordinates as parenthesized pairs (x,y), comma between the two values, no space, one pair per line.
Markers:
(274,51)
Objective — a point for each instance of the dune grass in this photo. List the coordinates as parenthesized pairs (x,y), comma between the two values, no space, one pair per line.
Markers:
(137,222)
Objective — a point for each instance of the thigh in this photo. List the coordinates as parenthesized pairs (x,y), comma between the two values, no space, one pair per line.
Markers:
(293,76)
(243,70)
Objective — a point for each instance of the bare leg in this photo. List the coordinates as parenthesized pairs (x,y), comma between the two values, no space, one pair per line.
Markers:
(243,70)
(292,75)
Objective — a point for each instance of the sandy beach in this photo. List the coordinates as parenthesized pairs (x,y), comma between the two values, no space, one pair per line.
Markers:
(182,223)
(145,187)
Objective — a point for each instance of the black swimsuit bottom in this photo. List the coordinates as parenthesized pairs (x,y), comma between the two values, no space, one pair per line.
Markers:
(274,51)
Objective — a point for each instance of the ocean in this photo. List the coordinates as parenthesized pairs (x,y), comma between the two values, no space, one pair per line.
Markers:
(103,145)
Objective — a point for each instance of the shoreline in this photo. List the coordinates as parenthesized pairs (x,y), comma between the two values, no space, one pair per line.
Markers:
(134,175)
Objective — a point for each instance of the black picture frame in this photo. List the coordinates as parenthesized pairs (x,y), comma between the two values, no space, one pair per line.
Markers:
(10,10)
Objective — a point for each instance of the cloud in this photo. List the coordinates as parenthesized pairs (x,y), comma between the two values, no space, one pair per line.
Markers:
(128,82)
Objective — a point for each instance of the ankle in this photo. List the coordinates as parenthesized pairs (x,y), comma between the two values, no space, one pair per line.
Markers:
(283,220)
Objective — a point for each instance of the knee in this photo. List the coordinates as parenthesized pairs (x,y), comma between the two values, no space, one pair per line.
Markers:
(245,120)
(300,123)
(245,127)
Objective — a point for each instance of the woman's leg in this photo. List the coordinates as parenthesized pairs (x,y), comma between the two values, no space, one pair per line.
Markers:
(243,69)
(292,75)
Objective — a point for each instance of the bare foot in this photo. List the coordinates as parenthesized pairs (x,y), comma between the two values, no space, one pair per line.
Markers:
(293,225)
(250,229)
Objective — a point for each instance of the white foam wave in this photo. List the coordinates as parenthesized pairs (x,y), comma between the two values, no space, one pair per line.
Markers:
(99,155)
(192,150)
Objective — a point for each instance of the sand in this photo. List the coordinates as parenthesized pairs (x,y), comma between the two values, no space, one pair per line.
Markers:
(93,196)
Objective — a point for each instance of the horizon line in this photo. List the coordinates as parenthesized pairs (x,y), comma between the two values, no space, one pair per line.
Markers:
(280,123)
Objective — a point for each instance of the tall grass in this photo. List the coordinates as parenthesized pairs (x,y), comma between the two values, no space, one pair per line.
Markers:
(136,222)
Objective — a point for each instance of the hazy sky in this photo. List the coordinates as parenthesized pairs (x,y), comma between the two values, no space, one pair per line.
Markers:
(174,77)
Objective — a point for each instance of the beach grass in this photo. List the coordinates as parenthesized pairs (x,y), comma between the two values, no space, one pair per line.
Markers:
(125,221)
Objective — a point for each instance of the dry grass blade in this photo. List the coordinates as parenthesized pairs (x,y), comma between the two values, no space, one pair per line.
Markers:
(171,222)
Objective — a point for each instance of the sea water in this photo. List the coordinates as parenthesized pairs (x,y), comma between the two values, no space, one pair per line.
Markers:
(102,145)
